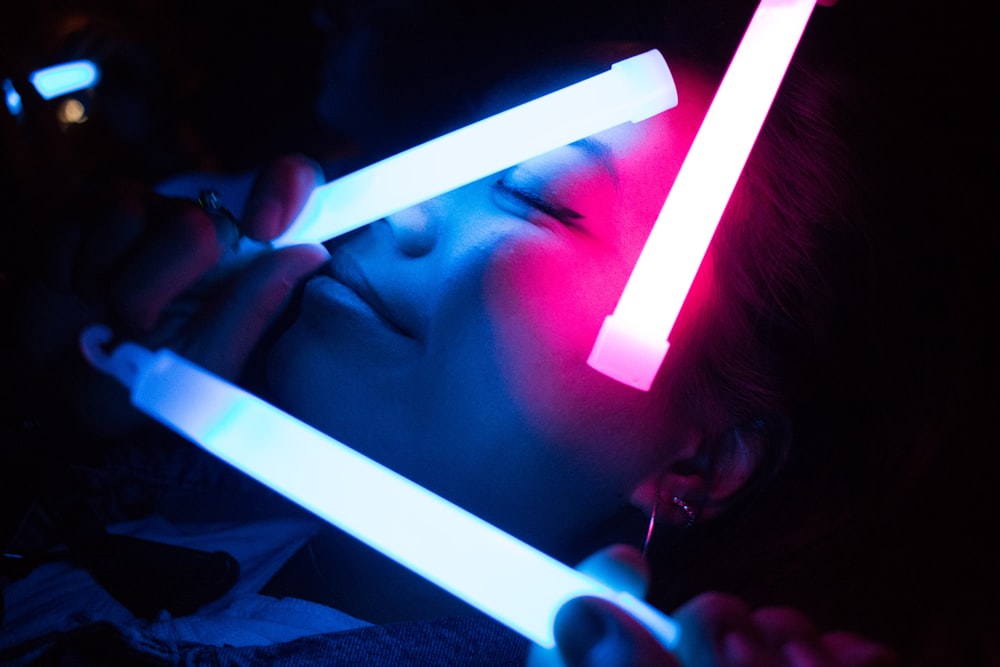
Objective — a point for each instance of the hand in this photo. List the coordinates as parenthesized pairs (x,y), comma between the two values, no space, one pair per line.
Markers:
(717,630)
(165,273)
(721,630)
(591,631)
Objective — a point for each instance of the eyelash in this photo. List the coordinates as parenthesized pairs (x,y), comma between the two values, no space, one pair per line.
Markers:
(566,216)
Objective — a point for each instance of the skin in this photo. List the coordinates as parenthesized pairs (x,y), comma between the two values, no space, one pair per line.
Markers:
(716,630)
(481,308)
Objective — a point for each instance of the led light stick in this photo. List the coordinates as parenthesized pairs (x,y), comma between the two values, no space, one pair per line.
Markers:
(65,78)
(632,342)
(632,90)
(502,576)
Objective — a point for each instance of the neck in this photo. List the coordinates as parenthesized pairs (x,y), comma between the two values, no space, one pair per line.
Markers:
(339,571)
(336,570)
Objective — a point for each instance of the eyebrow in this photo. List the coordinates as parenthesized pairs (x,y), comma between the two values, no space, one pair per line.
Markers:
(601,153)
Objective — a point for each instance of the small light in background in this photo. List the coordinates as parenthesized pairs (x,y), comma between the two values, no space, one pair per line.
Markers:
(12,98)
(66,78)
(72,111)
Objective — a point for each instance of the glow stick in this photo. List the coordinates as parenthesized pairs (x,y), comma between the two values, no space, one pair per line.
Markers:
(632,90)
(632,342)
(64,79)
(12,97)
(502,576)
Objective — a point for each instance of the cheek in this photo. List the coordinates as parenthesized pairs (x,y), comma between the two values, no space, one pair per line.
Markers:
(546,309)
(549,303)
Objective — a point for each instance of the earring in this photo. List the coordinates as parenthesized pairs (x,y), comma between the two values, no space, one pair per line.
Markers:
(651,526)
(679,503)
(683,506)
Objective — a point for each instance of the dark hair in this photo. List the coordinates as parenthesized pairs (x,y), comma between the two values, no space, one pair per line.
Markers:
(776,348)
(767,343)
(837,310)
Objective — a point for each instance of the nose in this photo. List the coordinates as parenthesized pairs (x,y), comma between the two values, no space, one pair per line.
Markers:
(414,229)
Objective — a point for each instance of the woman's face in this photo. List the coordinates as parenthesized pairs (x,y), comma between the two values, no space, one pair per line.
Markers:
(450,340)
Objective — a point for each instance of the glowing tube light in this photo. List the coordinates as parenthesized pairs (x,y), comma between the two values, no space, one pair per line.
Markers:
(633,340)
(632,90)
(500,575)
(65,79)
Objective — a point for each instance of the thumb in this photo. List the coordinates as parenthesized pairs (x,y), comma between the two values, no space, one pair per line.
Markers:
(620,567)
(595,632)
(227,333)
(592,631)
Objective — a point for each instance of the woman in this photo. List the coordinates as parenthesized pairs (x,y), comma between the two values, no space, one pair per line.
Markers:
(449,340)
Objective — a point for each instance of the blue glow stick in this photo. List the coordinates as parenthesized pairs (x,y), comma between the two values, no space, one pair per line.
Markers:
(500,575)
(632,342)
(12,98)
(632,90)
(65,78)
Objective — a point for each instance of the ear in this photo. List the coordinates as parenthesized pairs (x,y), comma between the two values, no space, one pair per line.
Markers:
(706,478)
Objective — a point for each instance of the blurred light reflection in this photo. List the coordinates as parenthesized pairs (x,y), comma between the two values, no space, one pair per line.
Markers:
(12,98)
(72,111)
(66,78)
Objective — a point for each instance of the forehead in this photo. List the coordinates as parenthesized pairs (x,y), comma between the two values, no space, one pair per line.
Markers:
(570,67)
(646,156)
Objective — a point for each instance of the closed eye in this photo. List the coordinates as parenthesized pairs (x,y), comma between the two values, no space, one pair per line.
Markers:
(529,198)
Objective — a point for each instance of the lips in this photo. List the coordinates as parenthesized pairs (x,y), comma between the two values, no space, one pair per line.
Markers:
(344,269)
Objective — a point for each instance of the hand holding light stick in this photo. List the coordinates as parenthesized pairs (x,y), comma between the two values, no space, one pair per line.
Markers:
(504,577)
(631,91)
(480,564)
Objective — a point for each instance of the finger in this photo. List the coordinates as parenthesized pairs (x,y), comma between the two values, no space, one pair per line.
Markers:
(779,625)
(278,196)
(621,567)
(743,649)
(850,650)
(717,629)
(171,257)
(226,335)
(592,631)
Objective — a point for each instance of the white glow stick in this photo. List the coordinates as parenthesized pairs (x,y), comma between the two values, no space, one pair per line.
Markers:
(633,340)
(65,78)
(632,90)
(500,575)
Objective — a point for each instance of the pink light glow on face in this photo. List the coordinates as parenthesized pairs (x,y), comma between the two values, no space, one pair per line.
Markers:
(501,287)
(547,292)
(633,340)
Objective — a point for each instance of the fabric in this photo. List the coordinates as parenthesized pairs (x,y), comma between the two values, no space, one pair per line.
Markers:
(59,613)
(452,642)
(59,597)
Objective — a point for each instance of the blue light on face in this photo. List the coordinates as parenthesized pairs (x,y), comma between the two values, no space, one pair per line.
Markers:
(64,79)
(12,98)
(489,569)
(631,91)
